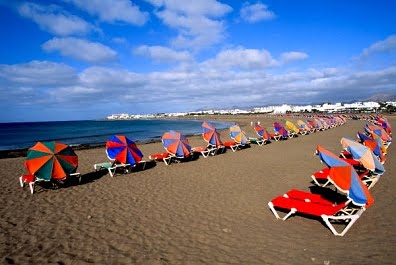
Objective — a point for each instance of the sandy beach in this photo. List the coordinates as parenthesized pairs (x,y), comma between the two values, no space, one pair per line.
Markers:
(206,211)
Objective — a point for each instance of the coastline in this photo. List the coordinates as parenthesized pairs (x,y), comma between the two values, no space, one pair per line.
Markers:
(206,211)
(21,152)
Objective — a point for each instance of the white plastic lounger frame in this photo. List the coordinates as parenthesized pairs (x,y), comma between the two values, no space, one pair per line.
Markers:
(347,215)
(111,167)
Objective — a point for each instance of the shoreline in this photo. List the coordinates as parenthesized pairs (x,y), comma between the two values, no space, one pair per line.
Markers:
(241,120)
(203,211)
(22,152)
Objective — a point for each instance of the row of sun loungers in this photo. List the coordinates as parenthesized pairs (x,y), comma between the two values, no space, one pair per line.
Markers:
(347,173)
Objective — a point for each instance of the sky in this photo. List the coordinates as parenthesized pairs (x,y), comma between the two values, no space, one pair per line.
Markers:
(87,59)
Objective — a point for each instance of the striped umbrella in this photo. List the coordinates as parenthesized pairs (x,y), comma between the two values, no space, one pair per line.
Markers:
(364,155)
(345,178)
(210,134)
(291,127)
(238,135)
(377,131)
(51,160)
(176,144)
(123,150)
(278,128)
(262,132)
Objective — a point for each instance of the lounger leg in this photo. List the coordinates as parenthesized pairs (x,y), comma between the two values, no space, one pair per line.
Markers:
(353,219)
(167,160)
(317,183)
(292,211)
(31,186)
(21,182)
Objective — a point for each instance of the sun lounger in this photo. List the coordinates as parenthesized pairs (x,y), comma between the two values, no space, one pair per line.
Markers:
(258,141)
(112,167)
(232,145)
(165,157)
(27,179)
(204,151)
(31,180)
(320,178)
(306,203)
(276,136)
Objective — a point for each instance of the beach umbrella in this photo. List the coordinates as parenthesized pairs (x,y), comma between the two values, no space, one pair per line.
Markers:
(363,154)
(302,125)
(210,134)
(345,178)
(262,132)
(51,160)
(176,144)
(122,149)
(375,146)
(278,128)
(238,135)
(380,144)
(291,127)
(377,131)
(383,122)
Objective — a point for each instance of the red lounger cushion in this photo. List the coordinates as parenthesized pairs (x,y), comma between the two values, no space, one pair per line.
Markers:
(311,208)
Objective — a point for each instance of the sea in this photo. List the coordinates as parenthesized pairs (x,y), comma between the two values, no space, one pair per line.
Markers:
(20,135)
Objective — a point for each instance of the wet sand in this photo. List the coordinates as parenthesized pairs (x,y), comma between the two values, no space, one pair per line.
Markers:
(206,211)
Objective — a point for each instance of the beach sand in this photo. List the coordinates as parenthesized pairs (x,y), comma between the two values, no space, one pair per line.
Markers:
(207,211)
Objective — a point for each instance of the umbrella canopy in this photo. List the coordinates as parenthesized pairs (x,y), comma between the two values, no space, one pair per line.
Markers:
(364,154)
(280,129)
(382,148)
(375,146)
(176,144)
(302,125)
(51,160)
(383,122)
(123,150)
(311,124)
(210,134)
(377,131)
(262,132)
(238,135)
(290,126)
(345,178)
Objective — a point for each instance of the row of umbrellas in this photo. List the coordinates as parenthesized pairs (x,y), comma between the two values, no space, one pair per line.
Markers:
(54,160)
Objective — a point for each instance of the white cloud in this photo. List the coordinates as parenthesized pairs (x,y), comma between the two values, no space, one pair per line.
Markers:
(387,45)
(197,24)
(80,49)
(105,78)
(113,11)
(240,58)
(163,54)
(210,8)
(54,20)
(50,83)
(287,57)
(253,13)
(37,73)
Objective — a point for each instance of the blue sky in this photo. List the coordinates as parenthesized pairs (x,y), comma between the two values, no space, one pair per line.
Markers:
(86,59)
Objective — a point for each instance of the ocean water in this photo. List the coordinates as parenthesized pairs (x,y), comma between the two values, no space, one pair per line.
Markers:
(26,134)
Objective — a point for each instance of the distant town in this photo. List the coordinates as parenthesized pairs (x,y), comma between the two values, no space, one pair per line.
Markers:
(356,107)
